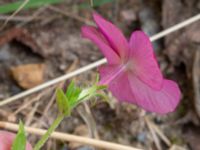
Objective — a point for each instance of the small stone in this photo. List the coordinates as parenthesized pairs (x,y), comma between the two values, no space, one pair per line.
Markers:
(29,75)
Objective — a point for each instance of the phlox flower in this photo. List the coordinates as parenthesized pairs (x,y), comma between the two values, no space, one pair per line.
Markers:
(132,72)
(6,140)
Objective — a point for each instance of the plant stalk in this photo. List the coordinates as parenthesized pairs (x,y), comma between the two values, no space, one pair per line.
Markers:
(52,128)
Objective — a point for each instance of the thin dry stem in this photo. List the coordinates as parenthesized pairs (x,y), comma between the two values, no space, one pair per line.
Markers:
(155,138)
(69,137)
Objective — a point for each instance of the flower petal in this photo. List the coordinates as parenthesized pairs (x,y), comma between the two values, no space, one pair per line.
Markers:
(119,86)
(94,35)
(145,65)
(108,73)
(115,37)
(162,101)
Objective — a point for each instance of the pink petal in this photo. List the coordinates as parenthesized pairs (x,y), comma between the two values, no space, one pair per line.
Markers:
(6,140)
(162,101)
(142,56)
(117,40)
(108,73)
(119,87)
(94,35)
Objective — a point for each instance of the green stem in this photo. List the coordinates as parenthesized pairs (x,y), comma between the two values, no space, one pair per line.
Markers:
(45,137)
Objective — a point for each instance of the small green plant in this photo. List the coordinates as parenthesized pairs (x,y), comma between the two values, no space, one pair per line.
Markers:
(66,102)
(20,140)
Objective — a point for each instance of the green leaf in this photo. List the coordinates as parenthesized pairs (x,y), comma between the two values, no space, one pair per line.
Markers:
(87,93)
(20,140)
(62,102)
(96,3)
(72,93)
(11,7)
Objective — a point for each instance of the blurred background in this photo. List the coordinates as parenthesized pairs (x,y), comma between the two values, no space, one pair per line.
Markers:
(41,40)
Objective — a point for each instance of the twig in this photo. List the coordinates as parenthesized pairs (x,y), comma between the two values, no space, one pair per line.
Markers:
(32,113)
(69,137)
(196,81)
(85,112)
(160,133)
(26,104)
(18,18)
(94,64)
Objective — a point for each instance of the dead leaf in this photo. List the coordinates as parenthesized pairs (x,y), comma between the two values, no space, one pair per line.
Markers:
(29,75)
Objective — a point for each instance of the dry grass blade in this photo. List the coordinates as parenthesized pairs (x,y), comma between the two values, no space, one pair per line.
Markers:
(85,112)
(153,133)
(11,16)
(69,137)
(196,81)
(160,133)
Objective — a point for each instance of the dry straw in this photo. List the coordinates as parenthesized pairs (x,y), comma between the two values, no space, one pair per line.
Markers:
(70,137)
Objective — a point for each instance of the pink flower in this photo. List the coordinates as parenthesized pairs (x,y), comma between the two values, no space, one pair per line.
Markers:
(132,72)
(6,140)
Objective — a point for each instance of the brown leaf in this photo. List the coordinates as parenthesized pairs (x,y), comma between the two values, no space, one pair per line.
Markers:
(28,76)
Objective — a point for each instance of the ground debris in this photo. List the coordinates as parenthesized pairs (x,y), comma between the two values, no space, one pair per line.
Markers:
(192,136)
(181,46)
(29,75)
(21,35)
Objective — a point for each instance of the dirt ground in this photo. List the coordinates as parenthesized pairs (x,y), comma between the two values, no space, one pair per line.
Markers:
(49,45)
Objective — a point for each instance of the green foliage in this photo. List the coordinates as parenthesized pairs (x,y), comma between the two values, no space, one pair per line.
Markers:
(96,3)
(74,95)
(11,7)
(90,92)
(62,102)
(20,140)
